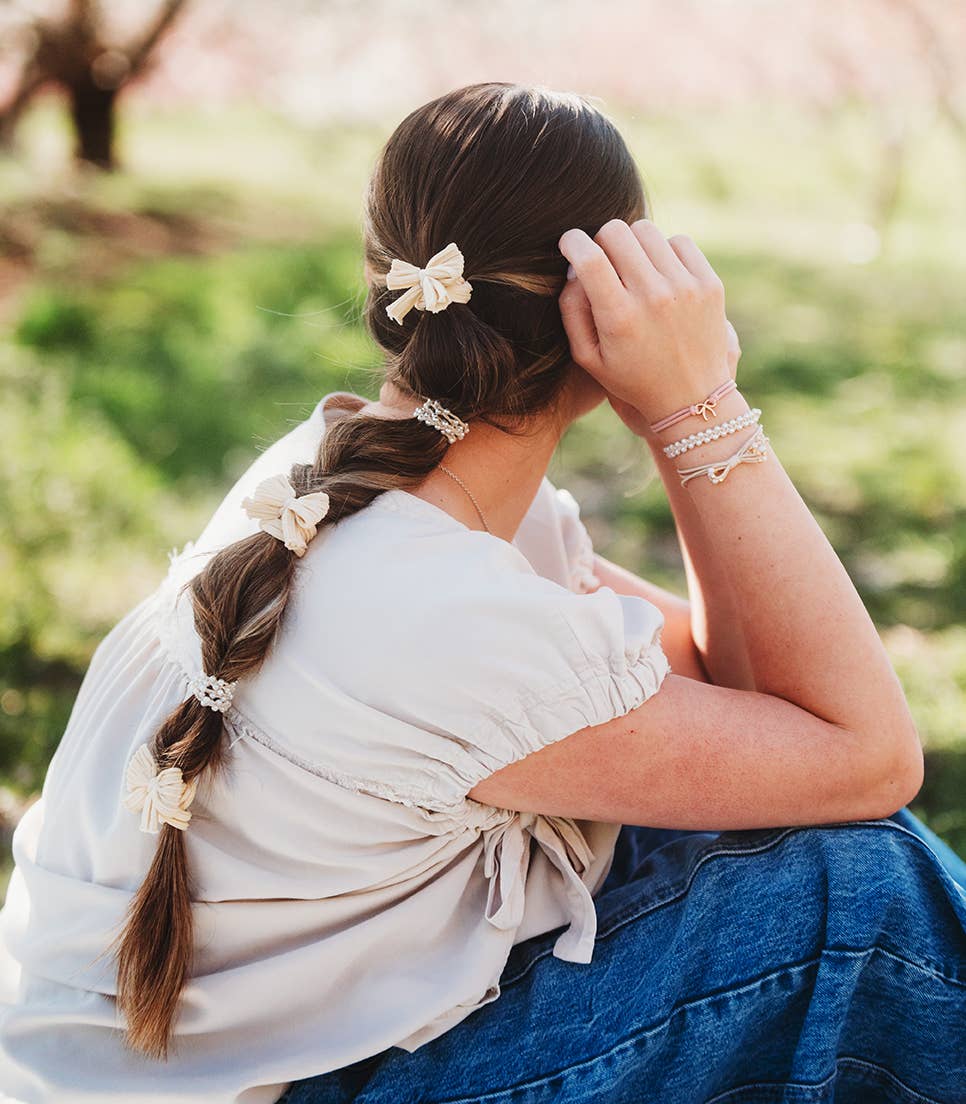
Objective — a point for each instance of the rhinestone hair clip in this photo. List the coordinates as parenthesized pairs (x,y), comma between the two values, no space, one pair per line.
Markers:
(432,413)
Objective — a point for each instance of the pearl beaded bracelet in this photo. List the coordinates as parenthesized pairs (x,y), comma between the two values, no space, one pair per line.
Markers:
(712,434)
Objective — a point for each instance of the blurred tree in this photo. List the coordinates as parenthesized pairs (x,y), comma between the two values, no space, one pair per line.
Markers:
(73,51)
(927,36)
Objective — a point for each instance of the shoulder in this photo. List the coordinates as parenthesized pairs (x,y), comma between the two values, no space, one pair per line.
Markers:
(465,618)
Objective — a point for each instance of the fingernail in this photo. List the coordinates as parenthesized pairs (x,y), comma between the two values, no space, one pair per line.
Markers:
(571,274)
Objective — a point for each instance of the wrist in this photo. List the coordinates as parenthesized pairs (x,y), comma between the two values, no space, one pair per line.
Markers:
(729,406)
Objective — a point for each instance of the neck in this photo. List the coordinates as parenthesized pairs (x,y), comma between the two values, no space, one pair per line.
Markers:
(503,471)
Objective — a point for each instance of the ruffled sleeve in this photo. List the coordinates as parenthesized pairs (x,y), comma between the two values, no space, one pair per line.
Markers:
(495,667)
(494,662)
(578,546)
(555,540)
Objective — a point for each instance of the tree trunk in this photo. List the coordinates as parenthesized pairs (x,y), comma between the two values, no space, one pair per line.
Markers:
(92,113)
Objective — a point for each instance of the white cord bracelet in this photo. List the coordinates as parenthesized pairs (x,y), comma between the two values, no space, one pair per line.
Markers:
(753,451)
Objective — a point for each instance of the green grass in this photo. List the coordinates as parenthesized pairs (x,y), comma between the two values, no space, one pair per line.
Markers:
(175,319)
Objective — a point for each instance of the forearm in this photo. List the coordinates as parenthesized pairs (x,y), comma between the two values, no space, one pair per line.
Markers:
(808,637)
(676,637)
(716,625)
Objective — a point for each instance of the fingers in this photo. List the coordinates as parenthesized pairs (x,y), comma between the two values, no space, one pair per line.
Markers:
(621,268)
(578,320)
(693,259)
(640,260)
(632,263)
(662,257)
(593,267)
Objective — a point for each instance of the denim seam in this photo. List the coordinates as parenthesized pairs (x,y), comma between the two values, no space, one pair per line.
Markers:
(676,892)
(629,1041)
(880,1073)
(887,950)
(883,1074)
(635,912)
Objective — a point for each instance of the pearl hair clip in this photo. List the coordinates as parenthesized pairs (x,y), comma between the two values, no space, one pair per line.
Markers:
(431,288)
(213,692)
(432,413)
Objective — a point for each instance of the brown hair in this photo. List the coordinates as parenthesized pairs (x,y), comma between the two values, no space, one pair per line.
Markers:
(502,170)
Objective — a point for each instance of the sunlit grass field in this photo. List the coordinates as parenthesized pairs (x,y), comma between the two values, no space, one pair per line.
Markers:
(163,326)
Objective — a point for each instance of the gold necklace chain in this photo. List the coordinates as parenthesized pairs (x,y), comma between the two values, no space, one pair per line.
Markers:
(469,492)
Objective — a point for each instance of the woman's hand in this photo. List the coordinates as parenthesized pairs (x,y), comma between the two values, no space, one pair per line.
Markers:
(645,316)
(635,420)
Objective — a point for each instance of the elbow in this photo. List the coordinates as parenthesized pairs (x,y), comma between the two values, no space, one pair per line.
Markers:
(900,774)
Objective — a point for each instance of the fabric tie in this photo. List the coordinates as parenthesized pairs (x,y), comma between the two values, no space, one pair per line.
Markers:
(159,796)
(506,861)
(432,288)
(290,518)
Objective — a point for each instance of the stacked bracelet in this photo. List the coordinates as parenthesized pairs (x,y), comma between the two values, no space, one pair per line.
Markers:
(753,451)
(703,408)
(712,434)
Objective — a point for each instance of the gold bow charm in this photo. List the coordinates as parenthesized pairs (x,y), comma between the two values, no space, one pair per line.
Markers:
(704,407)
(432,288)
(290,518)
(159,796)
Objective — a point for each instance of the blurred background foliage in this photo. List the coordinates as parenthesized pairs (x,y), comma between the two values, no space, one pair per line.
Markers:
(171,309)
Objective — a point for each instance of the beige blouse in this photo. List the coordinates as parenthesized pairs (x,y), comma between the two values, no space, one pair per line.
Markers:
(349,896)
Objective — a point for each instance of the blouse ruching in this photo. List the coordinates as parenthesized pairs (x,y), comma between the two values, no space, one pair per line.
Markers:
(338,844)
(432,656)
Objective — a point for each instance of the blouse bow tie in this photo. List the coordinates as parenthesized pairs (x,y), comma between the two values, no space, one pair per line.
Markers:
(159,796)
(506,862)
(290,518)
(432,288)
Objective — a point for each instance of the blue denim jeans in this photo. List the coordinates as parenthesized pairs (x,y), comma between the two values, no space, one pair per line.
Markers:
(806,963)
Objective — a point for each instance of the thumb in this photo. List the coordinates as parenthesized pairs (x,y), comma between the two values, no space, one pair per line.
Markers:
(578,321)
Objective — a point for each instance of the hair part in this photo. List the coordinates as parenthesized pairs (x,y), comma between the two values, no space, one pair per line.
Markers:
(503,170)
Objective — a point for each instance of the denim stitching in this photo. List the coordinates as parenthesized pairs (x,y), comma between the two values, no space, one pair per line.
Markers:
(631,1040)
(890,952)
(676,891)
(634,912)
(879,1072)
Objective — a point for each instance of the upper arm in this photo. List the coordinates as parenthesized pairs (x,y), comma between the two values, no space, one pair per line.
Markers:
(692,755)
(676,637)
(705,757)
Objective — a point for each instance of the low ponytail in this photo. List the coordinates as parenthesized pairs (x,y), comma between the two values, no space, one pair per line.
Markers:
(239,599)
(491,167)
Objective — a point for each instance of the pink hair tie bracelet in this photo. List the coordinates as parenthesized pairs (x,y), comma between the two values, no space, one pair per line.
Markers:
(703,408)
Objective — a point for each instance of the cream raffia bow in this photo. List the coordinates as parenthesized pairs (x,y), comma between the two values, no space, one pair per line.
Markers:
(432,288)
(159,796)
(290,518)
